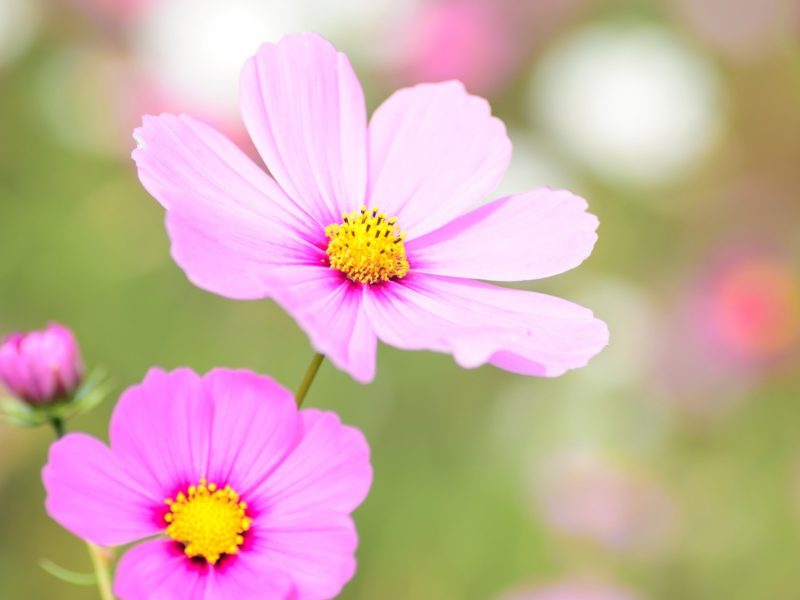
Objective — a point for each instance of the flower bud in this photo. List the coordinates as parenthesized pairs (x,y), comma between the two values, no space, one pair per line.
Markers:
(41,367)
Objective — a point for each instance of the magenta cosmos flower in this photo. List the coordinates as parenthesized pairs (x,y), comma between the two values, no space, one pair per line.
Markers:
(248,497)
(41,366)
(361,232)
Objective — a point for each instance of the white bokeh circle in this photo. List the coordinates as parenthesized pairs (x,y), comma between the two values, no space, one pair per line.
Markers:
(19,22)
(631,102)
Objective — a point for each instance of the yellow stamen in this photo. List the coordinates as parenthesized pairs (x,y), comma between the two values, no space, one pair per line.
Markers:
(207,520)
(367,247)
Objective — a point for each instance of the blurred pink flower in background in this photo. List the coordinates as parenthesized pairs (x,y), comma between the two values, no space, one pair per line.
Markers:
(481,43)
(741,29)
(570,590)
(112,12)
(472,41)
(41,366)
(749,308)
(250,497)
(349,274)
(591,497)
(739,320)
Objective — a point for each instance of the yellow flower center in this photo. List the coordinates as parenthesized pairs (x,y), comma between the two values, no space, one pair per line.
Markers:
(207,520)
(367,247)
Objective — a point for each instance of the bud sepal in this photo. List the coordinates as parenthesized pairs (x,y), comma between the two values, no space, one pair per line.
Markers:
(94,389)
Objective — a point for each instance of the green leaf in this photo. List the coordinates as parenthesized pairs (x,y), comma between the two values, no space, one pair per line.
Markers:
(20,413)
(94,390)
(67,575)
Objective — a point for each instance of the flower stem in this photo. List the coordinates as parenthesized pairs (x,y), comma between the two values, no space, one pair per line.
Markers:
(100,562)
(308,378)
(58,426)
(100,559)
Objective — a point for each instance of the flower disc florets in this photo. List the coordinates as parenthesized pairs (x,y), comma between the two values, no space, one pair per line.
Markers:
(207,520)
(367,247)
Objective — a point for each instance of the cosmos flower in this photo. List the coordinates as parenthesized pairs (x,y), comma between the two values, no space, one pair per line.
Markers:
(41,366)
(570,590)
(738,316)
(748,308)
(364,232)
(473,42)
(591,497)
(249,498)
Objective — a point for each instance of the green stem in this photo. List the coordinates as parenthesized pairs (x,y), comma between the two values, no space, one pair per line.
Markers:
(308,378)
(100,560)
(58,426)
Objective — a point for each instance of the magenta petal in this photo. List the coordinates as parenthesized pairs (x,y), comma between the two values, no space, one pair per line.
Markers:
(328,470)
(159,570)
(90,493)
(228,220)
(160,430)
(255,424)
(328,307)
(41,366)
(527,236)
(250,575)
(317,550)
(434,152)
(520,331)
(304,108)
(306,528)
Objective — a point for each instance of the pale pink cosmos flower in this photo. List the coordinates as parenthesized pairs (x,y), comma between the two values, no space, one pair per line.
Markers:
(592,497)
(474,42)
(364,232)
(41,366)
(742,30)
(249,498)
(738,318)
(570,590)
(111,11)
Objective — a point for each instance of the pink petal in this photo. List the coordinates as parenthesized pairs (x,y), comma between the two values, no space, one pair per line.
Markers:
(250,574)
(159,570)
(328,470)
(316,550)
(327,306)
(527,236)
(519,331)
(160,430)
(304,108)
(305,528)
(434,152)
(90,493)
(255,424)
(34,348)
(228,220)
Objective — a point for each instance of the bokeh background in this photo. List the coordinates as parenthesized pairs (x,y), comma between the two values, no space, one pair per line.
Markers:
(668,469)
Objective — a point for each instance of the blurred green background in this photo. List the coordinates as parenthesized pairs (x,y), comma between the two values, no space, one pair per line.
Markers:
(668,468)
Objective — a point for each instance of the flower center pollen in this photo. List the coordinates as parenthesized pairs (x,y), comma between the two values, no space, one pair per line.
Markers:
(367,247)
(207,520)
